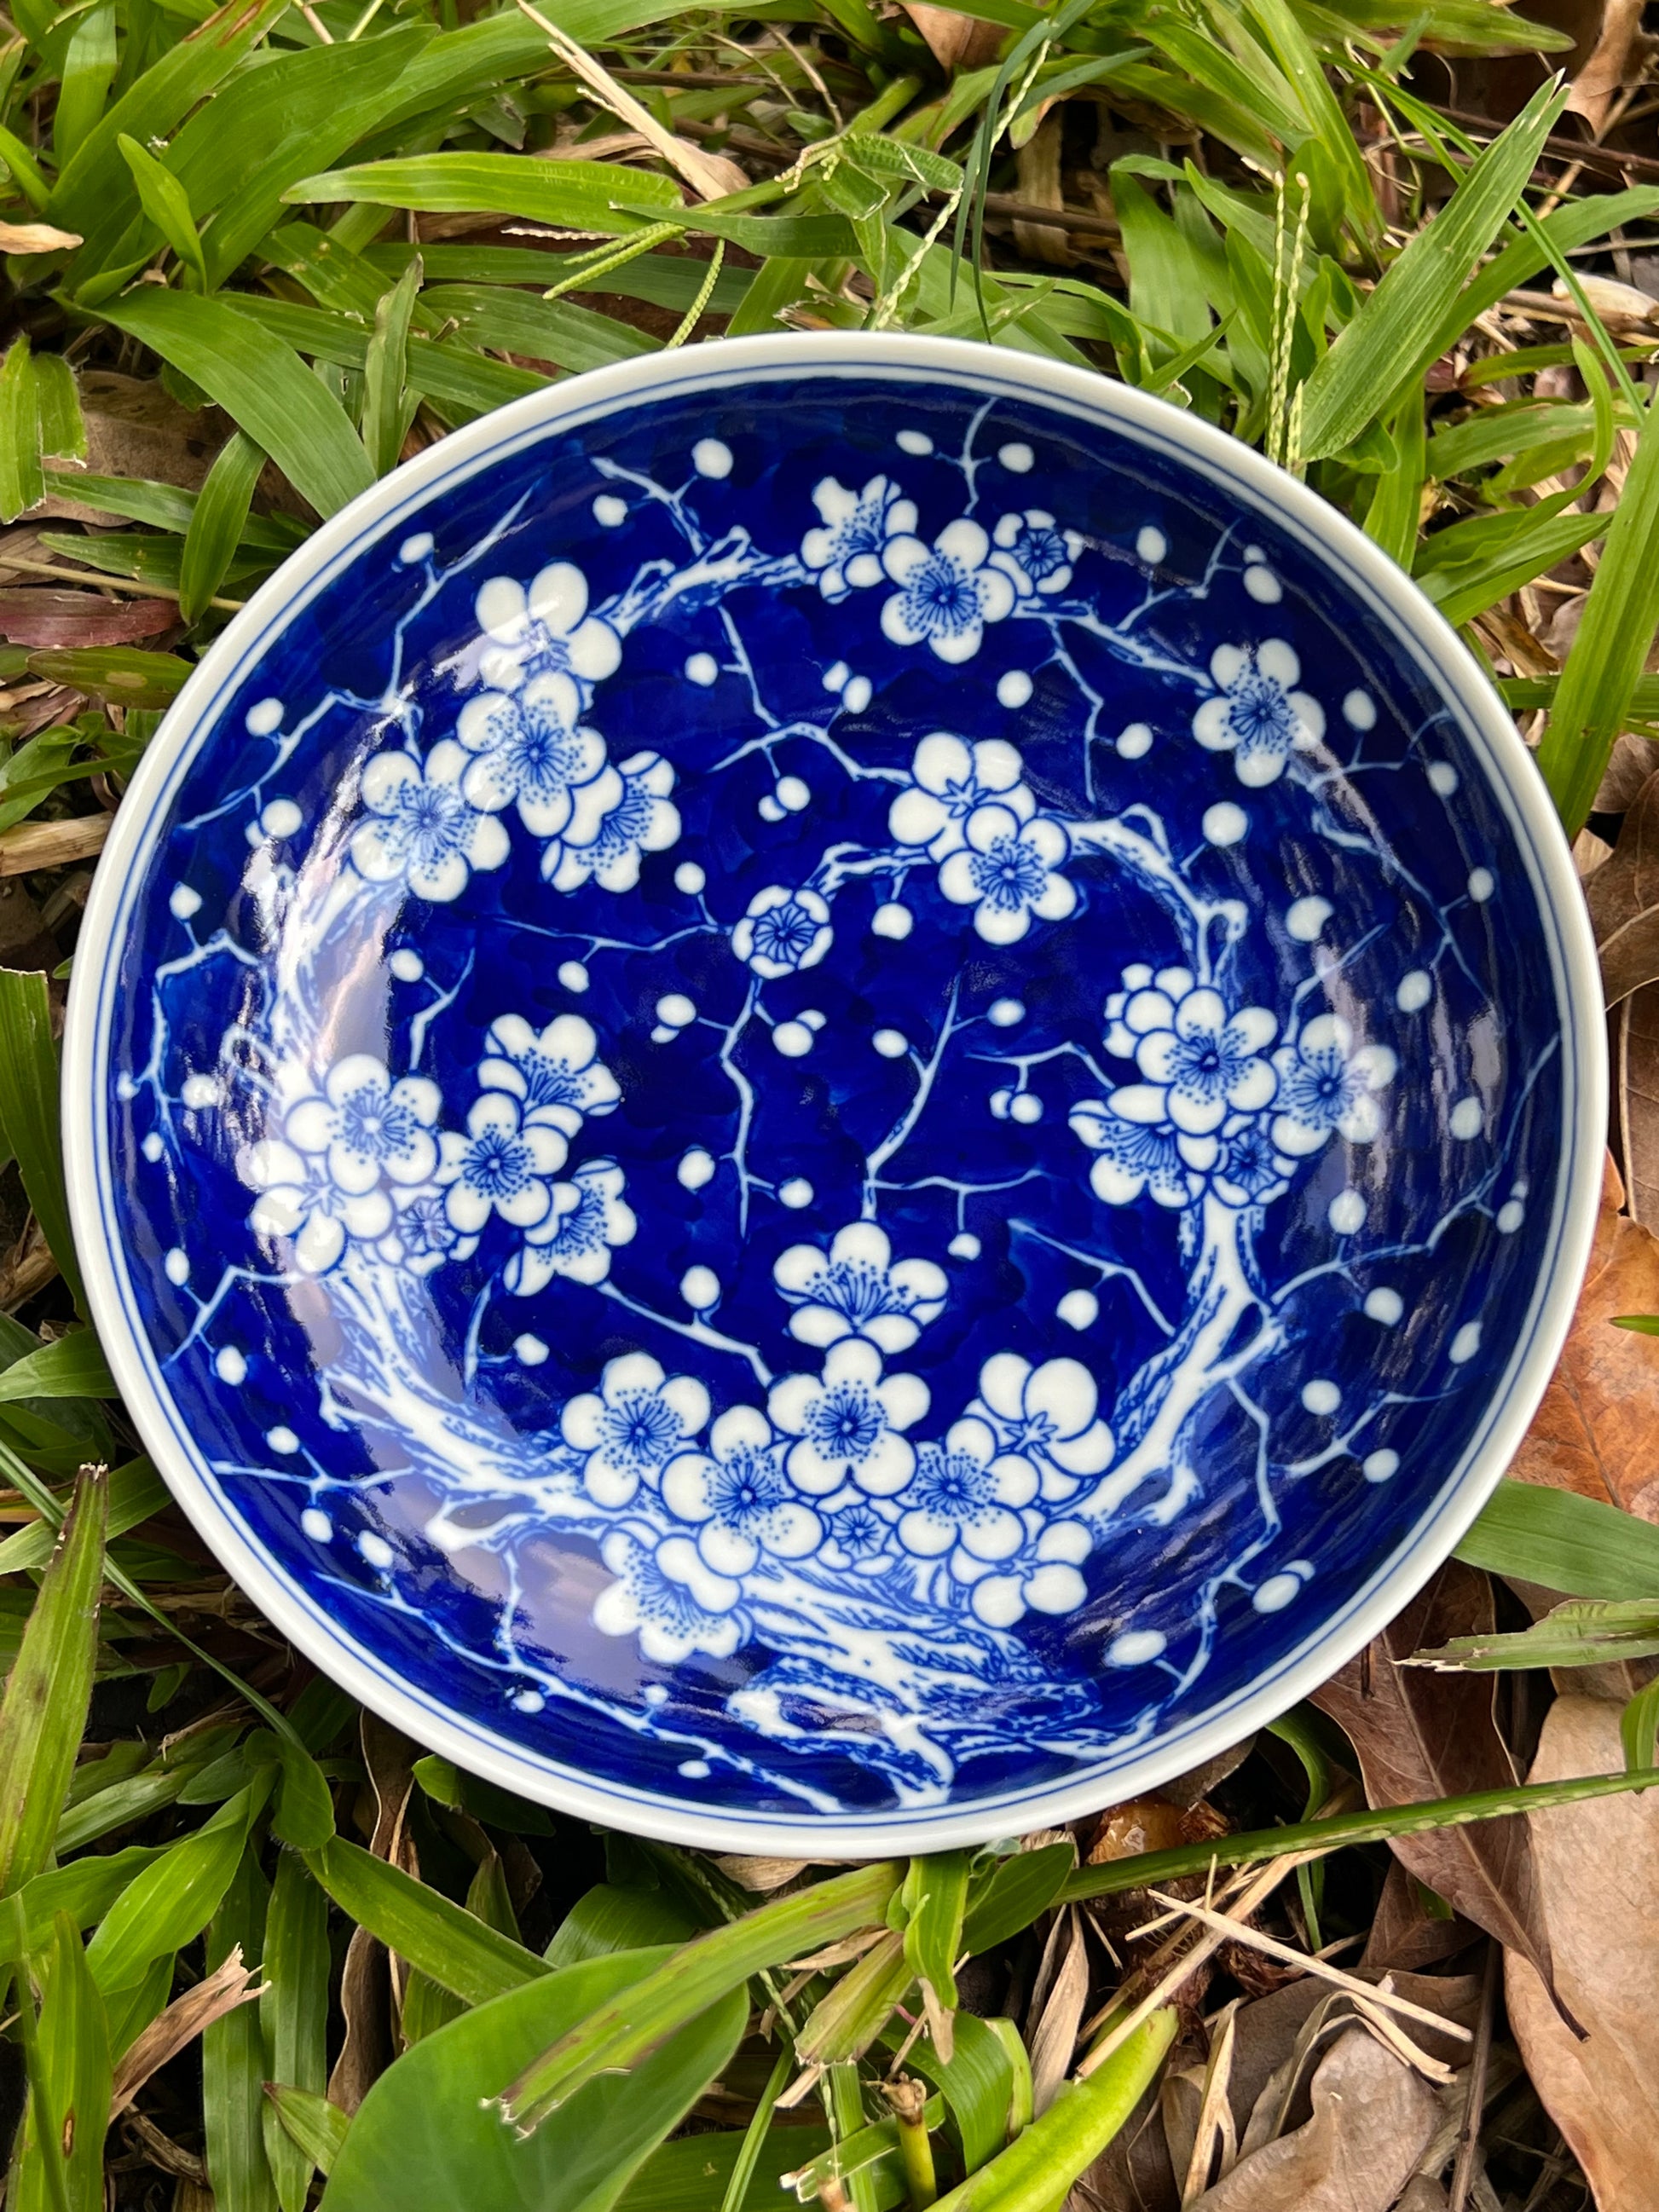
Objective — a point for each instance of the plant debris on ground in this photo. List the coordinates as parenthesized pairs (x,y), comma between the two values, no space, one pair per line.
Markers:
(1394,1954)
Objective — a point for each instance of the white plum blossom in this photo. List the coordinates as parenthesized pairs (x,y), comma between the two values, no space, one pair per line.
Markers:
(668,1598)
(421,825)
(1008,872)
(738,1497)
(1256,712)
(1249,1171)
(859,1536)
(422,1238)
(963,1499)
(849,1423)
(947,591)
(1327,1087)
(555,1074)
(545,627)
(857,1289)
(637,1421)
(529,751)
(364,1125)
(1201,1058)
(498,1167)
(952,780)
(1047,1580)
(783,930)
(631,815)
(1131,1157)
(1048,1414)
(300,1205)
(589,1218)
(846,550)
(1035,552)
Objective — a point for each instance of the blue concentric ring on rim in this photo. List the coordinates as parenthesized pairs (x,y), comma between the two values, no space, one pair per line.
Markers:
(1420,633)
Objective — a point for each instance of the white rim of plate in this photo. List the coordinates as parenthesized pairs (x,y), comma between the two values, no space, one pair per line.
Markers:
(1419,630)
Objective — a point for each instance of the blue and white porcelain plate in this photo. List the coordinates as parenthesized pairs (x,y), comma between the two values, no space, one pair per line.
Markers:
(834,1093)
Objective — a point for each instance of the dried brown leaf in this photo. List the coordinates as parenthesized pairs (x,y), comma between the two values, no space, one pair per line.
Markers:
(1055,2037)
(1636,1099)
(227,1986)
(30,615)
(366,1996)
(1598,1879)
(1614,63)
(1372,2119)
(1623,897)
(1593,1431)
(1419,1734)
(35,238)
(35,845)
(957,42)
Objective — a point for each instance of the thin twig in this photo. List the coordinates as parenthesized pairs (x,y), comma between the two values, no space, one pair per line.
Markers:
(108,583)
(1469,2136)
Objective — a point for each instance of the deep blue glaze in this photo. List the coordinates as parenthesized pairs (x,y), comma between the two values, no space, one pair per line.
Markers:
(1303,1317)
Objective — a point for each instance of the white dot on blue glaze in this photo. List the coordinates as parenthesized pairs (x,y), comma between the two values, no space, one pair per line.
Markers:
(529,1351)
(892,920)
(711,457)
(1306,918)
(654,1694)
(1347,1212)
(1013,688)
(1000,1101)
(1359,711)
(701,1288)
(675,1010)
(690,879)
(1016,457)
(152,1148)
(264,719)
(1482,884)
(792,1039)
(1263,587)
(529,1701)
(127,1087)
(200,1092)
(914,441)
(283,1439)
(965,1245)
(836,675)
(573,976)
(1276,1593)
(407,965)
(609,510)
(176,1267)
(703,668)
(1321,1395)
(317,1525)
(695,1169)
(768,808)
(1443,778)
(1003,1013)
(855,694)
(1136,1647)
(1151,546)
(375,1550)
(892,1044)
(1510,1215)
(1135,742)
(796,1194)
(693,1770)
(230,1365)
(281,818)
(1385,1305)
(1225,822)
(1379,1466)
(1414,991)
(794,794)
(1026,1109)
(813,1019)
(415,547)
(1079,1310)
(183,902)
(1468,1118)
(1465,1343)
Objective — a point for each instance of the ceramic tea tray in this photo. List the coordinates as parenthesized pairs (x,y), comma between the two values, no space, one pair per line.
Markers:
(834,1093)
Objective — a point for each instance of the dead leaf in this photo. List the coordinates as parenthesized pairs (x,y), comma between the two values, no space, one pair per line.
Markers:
(1593,1431)
(35,845)
(1614,63)
(1038,169)
(1055,2038)
(956,41)
(1598,1881)
(1419,1734)
(365,1997)
(1404,1935)
(1636,1099)
(227,1986)
(1623,897)
(32,616)
(1632,761)
(35,238)
(1372,2119)
(1590,852)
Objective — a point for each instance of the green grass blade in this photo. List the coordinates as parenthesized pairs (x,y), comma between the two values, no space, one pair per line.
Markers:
(1575,1544)
(44,1715)
(935,1895)
(167,203)
(216,523)
(70,1366)
(171,1902)
(317,2129)
(576,195)
(444,1939)
(261,385)
(233,2059)
(1396,333)
(22,483)
(63,430)
(695,1977)
(1638,1724)
(1010,1896)
(388,406)
(294,2017)
(28,1112)
(136,1491)
(72,2053)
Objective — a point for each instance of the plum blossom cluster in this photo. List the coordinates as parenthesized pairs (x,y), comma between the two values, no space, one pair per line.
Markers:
(522,742)
(717,1518)
(1219,1106)
(359,1161)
